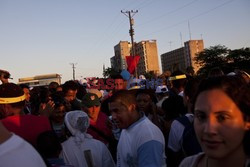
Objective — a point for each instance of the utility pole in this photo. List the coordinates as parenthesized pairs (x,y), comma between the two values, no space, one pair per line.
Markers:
(131,31)
(73,67)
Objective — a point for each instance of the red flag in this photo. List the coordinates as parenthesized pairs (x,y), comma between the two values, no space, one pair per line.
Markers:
(132,62)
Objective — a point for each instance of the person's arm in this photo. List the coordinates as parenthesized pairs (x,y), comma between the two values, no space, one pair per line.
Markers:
(4,133)
(173,150)
(151,154)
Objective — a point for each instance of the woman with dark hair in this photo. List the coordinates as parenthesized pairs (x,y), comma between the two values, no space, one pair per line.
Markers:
(222,123)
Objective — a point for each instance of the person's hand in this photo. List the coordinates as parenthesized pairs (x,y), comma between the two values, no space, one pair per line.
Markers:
(46,109)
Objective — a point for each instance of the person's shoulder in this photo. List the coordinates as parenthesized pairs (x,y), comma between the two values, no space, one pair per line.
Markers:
(247,162)
(191,161)
(176,124)
(148,130)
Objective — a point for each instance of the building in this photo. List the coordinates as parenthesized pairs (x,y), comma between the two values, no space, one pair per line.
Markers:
(118,61)
(183,57)
(173,60)
(40,80)
(192,48)
(147,50)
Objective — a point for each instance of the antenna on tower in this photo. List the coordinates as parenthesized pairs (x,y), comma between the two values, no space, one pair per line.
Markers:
(170,42)
(181,39)
(201,37)
(189,30)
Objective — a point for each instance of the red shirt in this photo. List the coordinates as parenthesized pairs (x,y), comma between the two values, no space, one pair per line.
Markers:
(99,129)
(27,126)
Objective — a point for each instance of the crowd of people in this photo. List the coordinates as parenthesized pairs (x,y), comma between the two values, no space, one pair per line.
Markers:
(184,121)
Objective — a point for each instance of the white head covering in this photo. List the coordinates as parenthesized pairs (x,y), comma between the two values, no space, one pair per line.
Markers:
(161,89)
(77,123)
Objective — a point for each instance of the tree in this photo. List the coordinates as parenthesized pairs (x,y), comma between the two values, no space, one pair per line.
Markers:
(215,56)
(222,57)
(109,72)
(240,59)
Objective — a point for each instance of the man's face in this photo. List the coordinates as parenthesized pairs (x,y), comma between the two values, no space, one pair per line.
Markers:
(27,94)
(119,84)
(70,95)
(122,114)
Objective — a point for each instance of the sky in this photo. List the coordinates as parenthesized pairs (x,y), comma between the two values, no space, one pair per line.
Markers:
(46,36)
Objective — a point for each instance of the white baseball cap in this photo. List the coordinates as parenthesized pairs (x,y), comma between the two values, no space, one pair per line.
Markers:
(161,89)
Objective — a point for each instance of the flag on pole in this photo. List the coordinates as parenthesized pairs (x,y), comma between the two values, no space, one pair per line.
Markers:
(132,62)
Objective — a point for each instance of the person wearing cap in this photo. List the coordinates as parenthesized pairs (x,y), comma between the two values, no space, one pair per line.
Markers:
(80,149)
(16,152)
(178,80)
(12,101)
(95,91)
(98,127)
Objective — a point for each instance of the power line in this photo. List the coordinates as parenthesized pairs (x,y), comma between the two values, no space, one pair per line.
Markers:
(143,5)
(191,18)
(168,13)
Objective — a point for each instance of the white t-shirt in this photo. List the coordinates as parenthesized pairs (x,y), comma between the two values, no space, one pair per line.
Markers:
(175,134)
(73,154)
(159,103)
(142,144)
(16,152)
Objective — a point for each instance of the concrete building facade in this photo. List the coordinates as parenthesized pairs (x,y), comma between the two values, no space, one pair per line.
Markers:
(147,50)
(192,48)
(183,57)
(121,50)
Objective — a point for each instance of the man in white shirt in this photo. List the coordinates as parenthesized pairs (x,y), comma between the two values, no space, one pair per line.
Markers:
(141,142)
(16,152)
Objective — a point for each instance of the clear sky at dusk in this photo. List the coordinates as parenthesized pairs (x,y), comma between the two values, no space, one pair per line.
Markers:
(45,36)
